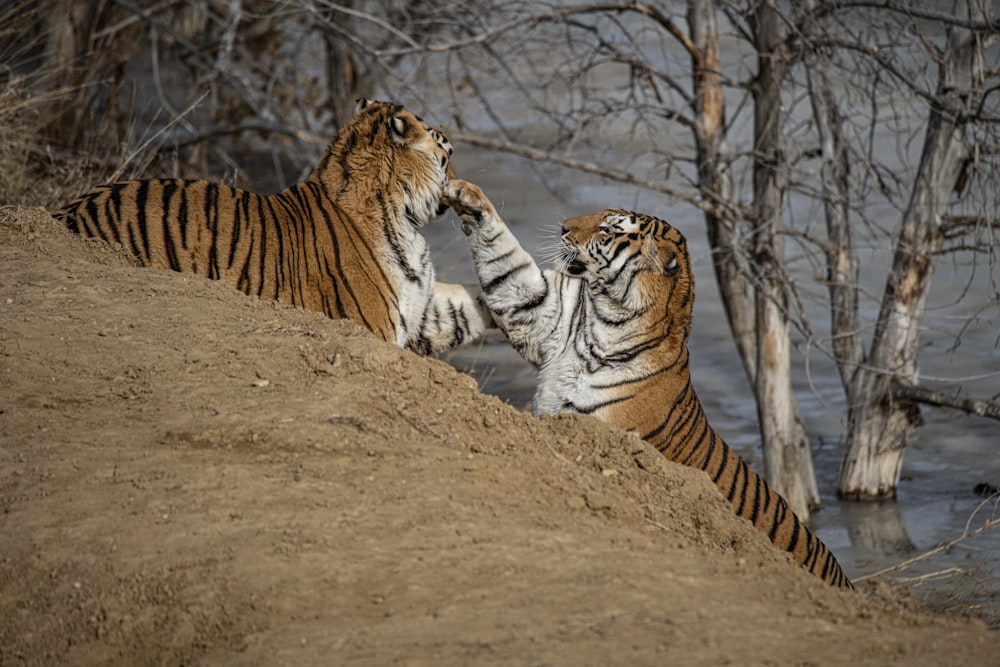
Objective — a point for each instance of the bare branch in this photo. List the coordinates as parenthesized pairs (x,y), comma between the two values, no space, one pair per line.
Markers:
(980,408)
(910,10)
(365,16)
(121,25)
(548,17)
(610,173)
(251,126)
(232,73)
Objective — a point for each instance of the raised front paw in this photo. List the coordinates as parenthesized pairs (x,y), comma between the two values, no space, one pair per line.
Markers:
(468,201)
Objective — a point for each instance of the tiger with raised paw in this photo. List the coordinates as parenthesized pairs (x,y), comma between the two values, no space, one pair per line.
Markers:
(608,333)
(345,242)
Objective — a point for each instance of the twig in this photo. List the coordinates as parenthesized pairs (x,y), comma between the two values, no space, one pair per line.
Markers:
(551,16)
(610,173)
(234,75)
(930,575)
(139,149)
(216,131)
(365,16)
(121,25)
(989,523)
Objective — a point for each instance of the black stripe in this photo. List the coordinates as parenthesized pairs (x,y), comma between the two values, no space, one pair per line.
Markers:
(142,220)
(778,518)
(168,189)
(498,281)
(614,279)
(638,378)
(211,213)
(261,273)
(113,203)
(597,406)
(759,486)
(491,240)
(93,213)
(535,301)
(786,515)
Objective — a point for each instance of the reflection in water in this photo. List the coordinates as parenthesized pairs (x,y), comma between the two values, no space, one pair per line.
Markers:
(878,528)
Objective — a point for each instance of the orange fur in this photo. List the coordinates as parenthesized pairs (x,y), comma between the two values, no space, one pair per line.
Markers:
(344,242)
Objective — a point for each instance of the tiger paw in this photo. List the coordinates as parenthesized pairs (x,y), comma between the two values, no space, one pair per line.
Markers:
(468,201)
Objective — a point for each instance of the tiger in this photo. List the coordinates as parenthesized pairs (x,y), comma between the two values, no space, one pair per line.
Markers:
(345,242)
(608,331)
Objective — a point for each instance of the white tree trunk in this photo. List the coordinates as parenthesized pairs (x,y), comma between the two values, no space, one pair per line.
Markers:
(879,427)
(787,458)
(715,181)
(752,320)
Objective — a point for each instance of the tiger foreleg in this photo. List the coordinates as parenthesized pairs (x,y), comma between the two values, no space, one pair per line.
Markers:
(456,314)
(523,298)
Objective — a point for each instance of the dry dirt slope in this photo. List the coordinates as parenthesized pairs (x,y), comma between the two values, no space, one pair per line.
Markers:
(189,476)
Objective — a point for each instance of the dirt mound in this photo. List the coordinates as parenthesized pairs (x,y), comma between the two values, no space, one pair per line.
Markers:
(188,475)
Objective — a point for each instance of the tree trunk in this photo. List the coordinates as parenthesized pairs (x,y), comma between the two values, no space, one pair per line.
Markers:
(842,266)
(342,80)
(879,426)
(715,182)
(787,458)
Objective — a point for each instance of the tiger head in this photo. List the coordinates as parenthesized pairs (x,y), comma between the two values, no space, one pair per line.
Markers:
(391,154)
(635,260)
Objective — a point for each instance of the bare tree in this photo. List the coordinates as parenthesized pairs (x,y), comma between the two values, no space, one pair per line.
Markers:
(787,460)
(206,79)
(882,385)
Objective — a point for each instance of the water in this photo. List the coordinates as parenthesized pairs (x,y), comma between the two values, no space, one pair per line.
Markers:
(952,454)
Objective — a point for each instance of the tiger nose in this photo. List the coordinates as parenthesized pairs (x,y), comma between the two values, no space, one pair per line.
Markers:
(566,236)
(581,226)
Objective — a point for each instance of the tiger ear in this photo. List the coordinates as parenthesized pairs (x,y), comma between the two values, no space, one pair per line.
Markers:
(671,266)
(362,103)
(398,128)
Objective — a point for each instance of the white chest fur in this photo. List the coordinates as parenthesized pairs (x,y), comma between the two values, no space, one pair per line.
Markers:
(577,375)
(561,384)
(415,278)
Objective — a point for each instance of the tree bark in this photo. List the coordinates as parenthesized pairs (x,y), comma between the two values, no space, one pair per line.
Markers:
(879,425)
(788,462)
(342,77)
(787,458)
(715,181)
(842,266)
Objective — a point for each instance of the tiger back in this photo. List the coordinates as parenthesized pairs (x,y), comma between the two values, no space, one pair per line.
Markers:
(345,242)
(608,332)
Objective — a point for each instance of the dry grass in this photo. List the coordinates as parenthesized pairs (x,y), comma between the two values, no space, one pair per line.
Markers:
(966,591)
(32,171)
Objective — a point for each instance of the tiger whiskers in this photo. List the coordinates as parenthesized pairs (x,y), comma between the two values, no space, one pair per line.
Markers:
(552,249)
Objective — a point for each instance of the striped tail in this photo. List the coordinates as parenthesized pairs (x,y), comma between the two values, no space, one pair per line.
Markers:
(695,444)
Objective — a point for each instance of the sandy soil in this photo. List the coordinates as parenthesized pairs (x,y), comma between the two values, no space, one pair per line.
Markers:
(190,476)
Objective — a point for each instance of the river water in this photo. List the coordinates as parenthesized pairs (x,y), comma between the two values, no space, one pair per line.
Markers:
(937,501)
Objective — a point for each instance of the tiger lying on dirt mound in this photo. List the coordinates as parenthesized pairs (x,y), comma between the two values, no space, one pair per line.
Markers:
(608,332)
(345,242)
